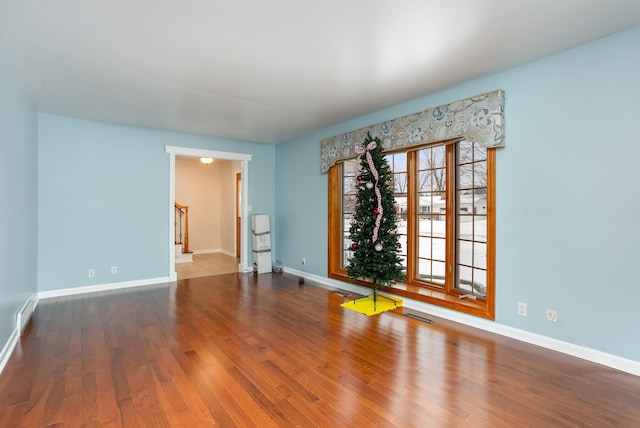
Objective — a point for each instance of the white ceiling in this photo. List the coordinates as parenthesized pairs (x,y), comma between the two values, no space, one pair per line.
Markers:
(269,71)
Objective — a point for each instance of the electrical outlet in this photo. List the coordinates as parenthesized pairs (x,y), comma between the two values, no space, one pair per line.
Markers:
(522,309)
(92,273)
(114,270)
(552,315)
(304,261)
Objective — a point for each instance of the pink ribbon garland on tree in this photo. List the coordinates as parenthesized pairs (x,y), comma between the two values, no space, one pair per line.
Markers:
(367,150)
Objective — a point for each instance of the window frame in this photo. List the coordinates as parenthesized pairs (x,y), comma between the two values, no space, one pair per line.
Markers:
(447,297)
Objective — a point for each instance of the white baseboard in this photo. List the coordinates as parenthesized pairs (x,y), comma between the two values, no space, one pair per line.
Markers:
(219,250)
(593,355)
(8,348)
(104,287)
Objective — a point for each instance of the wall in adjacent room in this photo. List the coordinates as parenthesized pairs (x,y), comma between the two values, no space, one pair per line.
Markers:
(209,191)
(198,186)
(104,198)
(19,196)
(568,188)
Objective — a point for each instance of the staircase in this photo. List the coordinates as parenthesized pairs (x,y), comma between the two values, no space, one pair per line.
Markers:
(183,255)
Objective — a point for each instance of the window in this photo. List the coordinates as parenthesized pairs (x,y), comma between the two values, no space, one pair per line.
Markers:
(444,194)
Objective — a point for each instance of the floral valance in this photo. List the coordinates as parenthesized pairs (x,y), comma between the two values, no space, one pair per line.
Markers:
(479,119)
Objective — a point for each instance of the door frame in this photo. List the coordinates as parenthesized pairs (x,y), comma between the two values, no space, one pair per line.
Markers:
(238,219)
(173,151)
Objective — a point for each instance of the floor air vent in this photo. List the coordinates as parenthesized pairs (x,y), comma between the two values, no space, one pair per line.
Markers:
(341,293)
(419,318)
(24,315)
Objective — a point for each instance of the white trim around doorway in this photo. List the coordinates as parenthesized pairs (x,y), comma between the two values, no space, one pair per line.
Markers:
(174,151)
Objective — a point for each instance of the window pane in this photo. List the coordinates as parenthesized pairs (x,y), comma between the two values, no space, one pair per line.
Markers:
(349,167)
(424,247)
(432,179)
(403,260)
(424,269)
(401,204)
(465,176)
(347,255)
(439,179)
(402,224)
(438,249)
(402,239)
(347,242)
(480,153)
(465,202)
(439,156)
(346,221)
(439,227)
(349,204)
(465,253)
(424,181)
(424,204)
(480,202)
(480,174)
(480,282)
(465,278)
(465,152)
(480,255)
(424,227)
(347,216)
(349,185)
(400,183)
(432,157)
(465,227)
(437,274)
(397,162)
(480,228)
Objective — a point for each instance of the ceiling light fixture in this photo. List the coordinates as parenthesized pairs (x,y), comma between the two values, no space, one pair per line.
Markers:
(206,160)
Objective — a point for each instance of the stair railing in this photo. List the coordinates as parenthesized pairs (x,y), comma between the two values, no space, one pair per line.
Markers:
(182,224)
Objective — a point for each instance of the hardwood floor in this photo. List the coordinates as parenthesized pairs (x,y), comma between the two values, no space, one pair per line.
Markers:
(247,350)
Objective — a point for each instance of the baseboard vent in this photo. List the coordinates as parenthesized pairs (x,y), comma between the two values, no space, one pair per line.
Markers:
(341,293)
(24,315)
(419,318)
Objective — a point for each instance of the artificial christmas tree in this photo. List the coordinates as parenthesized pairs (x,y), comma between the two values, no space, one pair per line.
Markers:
(373,229)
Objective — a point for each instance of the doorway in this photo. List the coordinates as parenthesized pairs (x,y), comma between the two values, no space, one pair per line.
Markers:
(241,207)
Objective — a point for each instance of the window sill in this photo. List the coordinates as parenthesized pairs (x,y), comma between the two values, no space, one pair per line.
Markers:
(438,298)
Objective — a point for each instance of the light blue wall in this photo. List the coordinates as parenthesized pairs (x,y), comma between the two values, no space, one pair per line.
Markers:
(568,189)
(104,198)
(19,196)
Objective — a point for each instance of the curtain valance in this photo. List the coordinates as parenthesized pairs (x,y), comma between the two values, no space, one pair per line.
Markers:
(479,119)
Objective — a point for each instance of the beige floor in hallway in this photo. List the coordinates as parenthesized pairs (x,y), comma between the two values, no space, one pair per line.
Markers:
(207,264)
